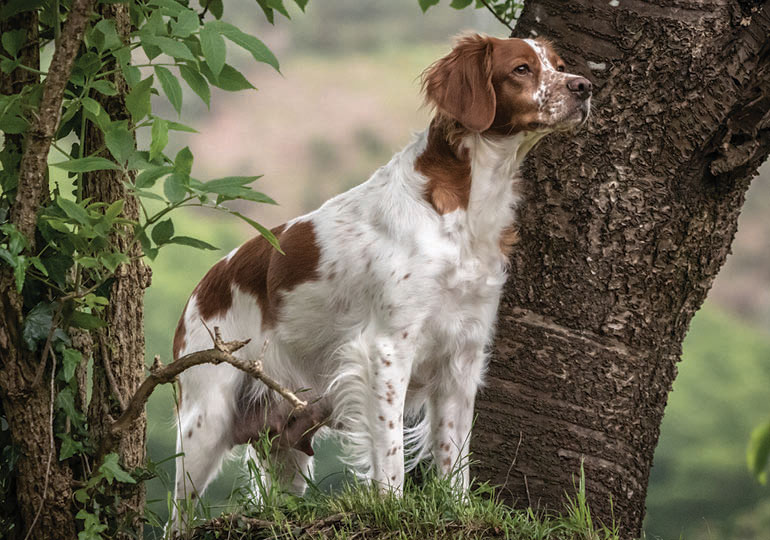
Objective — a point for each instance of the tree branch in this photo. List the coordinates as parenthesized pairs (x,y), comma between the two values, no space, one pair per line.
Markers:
(221,353)
(34,161)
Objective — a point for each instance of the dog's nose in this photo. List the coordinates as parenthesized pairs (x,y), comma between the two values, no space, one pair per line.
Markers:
(580,86)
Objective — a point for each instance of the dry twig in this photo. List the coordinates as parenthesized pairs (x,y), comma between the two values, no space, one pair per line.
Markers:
(221,353)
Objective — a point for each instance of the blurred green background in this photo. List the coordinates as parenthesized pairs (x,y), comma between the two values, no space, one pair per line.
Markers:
(346,101)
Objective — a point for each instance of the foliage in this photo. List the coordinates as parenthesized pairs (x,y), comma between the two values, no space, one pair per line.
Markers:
(506,11)
(65,280)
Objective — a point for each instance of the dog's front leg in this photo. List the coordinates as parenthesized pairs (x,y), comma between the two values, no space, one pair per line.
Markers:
(451,408)
(391,367)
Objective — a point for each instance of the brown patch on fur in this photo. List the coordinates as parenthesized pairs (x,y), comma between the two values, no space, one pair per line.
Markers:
(179,338)
(477,86)
(460,83)
(260,270)
(447,168)
(509,238)
(213,295)
(450,424)
(391,425)
(447,462)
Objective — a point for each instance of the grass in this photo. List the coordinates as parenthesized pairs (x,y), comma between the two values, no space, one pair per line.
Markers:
(428,509)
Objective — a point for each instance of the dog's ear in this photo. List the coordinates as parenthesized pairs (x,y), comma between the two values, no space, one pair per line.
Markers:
(460,84)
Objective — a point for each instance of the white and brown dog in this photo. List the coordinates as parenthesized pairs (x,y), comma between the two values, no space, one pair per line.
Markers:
(385,300)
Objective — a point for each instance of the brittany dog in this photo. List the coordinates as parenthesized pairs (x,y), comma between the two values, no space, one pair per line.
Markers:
(384,301)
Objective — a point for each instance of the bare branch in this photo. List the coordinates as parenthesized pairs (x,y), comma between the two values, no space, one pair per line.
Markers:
(34,161)
(221,353)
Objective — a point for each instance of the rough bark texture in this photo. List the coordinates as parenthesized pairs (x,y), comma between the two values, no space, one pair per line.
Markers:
(43,484)
(33,170)
(625,226)
(118,349)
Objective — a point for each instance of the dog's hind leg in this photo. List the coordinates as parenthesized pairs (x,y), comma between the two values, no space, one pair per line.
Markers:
(204,433)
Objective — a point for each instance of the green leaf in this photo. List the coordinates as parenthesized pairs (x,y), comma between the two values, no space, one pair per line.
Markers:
(258,50)
(148,177)
(183,161)
(138,99)
(196,82)
(104,87)
(114,210)
(65,401)
(120,142)
(88,64)
(20,272)
(172,6)
(86,164)
(13,40)
(187,22)
(37,263)
(69,446)
(18,6)
(230,79)
(233,187)
(91,105)
(213,47)
(214,6)
(159,137)
(78,319)
(171,47)
(301,4)
(269,236)
(460,4)
(192,242)
(175,187)
(758,452)
(269,15)
(425,4)
(58,265)
(176,126)
(279,7)
(73,210)
(71,359)
(111,261)
(162,232)
(37,324)
(111,39)
(113,471)
(171,87)
(16,241)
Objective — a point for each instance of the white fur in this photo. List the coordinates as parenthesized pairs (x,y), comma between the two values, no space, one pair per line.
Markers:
(395,327)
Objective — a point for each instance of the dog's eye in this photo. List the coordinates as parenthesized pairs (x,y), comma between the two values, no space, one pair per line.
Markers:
(560,68)
(522,69)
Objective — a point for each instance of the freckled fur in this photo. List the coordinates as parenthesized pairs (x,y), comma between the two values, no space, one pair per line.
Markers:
(397,279)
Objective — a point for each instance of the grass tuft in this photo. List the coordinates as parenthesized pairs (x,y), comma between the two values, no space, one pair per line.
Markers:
(429,509)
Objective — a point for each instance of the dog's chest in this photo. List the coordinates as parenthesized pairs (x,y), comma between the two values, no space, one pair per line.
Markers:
(465,287)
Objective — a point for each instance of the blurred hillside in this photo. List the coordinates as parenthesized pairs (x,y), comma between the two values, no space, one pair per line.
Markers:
(346,100)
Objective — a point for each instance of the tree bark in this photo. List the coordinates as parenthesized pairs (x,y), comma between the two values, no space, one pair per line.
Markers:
(118,349)
(625,225)
(43,483)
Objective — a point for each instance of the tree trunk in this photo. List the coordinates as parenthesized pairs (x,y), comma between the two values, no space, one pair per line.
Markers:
(625,226)
(43,483)
(118,349)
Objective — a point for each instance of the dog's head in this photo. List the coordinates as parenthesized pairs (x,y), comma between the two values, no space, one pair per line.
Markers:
(507,86)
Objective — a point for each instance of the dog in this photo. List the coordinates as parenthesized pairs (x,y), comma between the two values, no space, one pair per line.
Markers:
(383,302)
